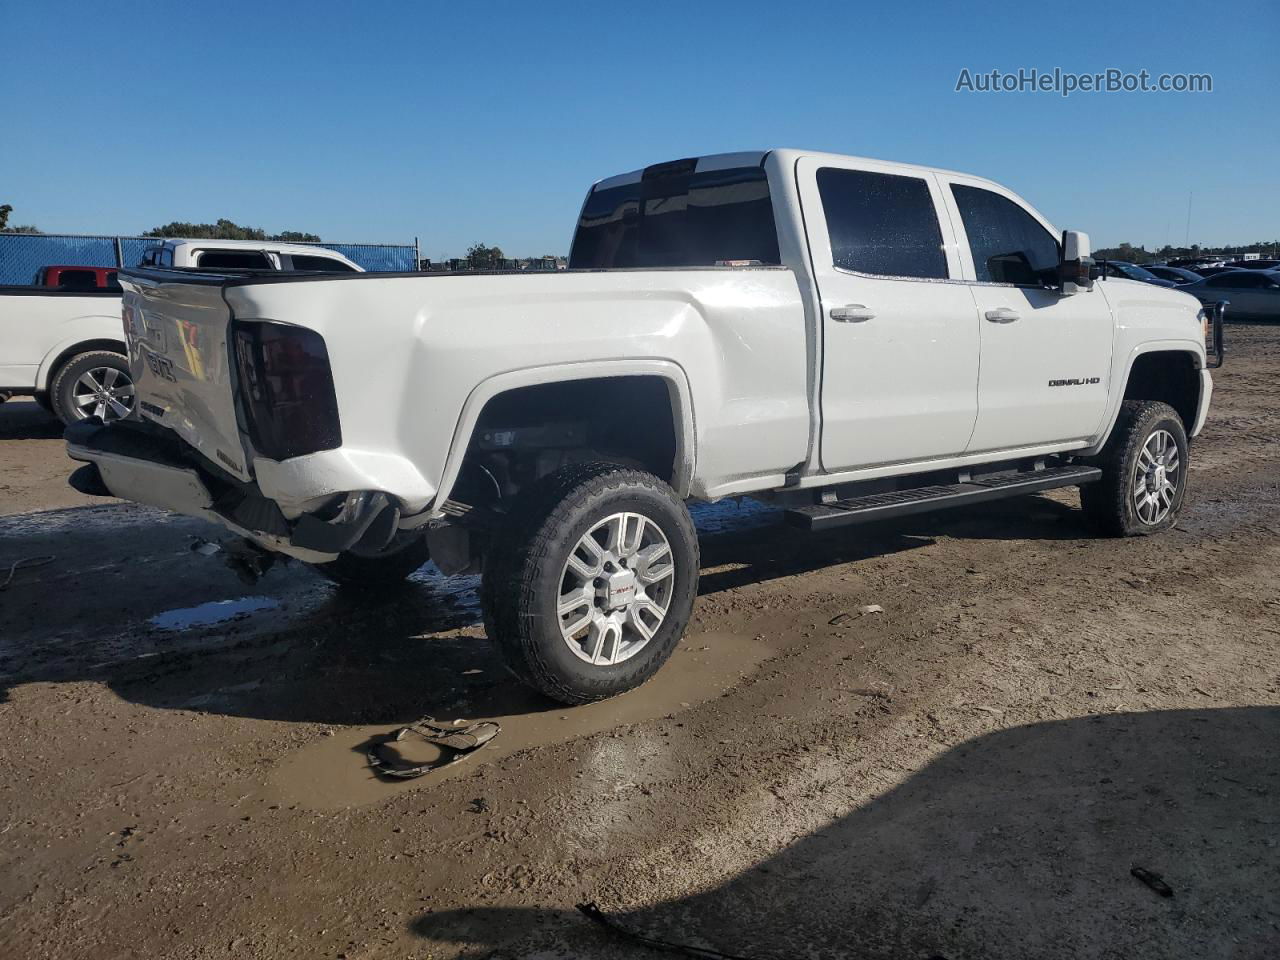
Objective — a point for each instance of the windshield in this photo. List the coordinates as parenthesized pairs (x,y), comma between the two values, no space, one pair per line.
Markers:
(675,215)
(1135,272)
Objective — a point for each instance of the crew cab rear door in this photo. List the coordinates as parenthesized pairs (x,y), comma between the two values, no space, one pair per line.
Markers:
(1046,358)
(899,340)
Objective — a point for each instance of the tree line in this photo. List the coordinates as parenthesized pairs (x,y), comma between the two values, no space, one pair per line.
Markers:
(221,230)
(1132,254)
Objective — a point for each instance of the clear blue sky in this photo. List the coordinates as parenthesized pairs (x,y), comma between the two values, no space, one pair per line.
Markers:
(463,122)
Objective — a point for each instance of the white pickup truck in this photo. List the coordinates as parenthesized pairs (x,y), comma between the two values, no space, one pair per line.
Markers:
(65,345)
(847,338)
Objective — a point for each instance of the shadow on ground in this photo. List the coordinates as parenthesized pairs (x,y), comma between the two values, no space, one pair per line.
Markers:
(1017,844)
(309,652)
(26,420)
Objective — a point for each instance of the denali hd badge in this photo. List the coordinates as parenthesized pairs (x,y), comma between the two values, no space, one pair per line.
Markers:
(1075,382)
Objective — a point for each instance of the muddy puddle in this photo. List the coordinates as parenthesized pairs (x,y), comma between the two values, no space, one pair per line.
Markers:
(334,773)
(211,613)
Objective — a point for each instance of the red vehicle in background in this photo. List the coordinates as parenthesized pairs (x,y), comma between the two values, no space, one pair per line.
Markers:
(77,278)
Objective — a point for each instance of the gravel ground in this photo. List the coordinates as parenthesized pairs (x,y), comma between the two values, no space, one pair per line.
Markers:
(971,773)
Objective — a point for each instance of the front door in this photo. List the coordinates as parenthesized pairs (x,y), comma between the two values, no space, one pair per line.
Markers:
(1046,358)
(900,342)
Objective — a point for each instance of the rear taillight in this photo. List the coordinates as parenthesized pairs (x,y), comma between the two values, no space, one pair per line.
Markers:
(286,389)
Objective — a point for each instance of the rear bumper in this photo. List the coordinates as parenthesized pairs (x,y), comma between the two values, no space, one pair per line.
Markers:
(148,464)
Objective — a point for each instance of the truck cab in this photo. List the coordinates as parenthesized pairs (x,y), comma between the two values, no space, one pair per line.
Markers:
(246,255)
(75,277)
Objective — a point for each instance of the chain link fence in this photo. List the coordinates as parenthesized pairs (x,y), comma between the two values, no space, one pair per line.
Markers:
(23,254)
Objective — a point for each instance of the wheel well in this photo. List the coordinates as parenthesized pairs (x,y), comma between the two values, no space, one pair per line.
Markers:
(1168,376)
(88,346)
(529,432)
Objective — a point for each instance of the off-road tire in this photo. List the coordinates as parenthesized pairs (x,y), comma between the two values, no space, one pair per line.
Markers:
(525,563)
(61,391)
(1109,502)
(384,571)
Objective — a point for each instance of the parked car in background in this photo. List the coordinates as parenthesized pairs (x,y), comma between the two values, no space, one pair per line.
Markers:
(1195,263)
(1254,294)
(1177,275)
(76,277)
(62,340)
(1211,271)
(1131,271)
(846,338)
(1260,264)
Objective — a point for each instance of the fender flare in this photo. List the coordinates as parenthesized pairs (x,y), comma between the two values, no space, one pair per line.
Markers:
(671,372)
(67,346)
(1112,413)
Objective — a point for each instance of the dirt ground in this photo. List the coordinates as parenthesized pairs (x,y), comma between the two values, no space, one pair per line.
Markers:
(971,773)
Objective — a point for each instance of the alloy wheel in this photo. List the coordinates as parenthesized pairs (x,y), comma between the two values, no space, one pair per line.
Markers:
(615,588)
(103,392)
(1157,474)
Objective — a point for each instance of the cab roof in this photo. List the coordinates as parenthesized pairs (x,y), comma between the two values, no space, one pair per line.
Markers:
(272,246)
(787,155)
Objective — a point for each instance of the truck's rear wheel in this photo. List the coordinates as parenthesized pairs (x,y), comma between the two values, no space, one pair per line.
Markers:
(1144,472)
(590,586)
(377,571)
(93,384)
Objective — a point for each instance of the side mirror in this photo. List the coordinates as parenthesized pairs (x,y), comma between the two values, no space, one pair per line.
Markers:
(1075,270)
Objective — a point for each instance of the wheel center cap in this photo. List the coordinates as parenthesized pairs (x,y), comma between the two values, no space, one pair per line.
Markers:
(620,589)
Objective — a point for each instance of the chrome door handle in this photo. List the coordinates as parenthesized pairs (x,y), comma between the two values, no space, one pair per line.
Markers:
(1003,315)
(851,313)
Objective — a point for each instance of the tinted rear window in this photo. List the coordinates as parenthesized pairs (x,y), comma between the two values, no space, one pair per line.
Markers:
(324,264)
(882,224)
(234,260)
(78,279)
(676,216)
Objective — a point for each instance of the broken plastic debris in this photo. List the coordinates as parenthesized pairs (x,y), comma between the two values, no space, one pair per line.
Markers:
(873,608)
(1153,880)
(454,745)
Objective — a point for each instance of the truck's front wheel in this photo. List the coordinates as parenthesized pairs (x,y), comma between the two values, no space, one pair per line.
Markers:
(1144,472)
(590,586)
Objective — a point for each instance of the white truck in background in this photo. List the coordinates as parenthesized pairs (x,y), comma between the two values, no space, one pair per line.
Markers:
(65,346)
(848,338)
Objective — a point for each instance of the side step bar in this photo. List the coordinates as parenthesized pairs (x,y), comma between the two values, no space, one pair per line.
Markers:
(901,503)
